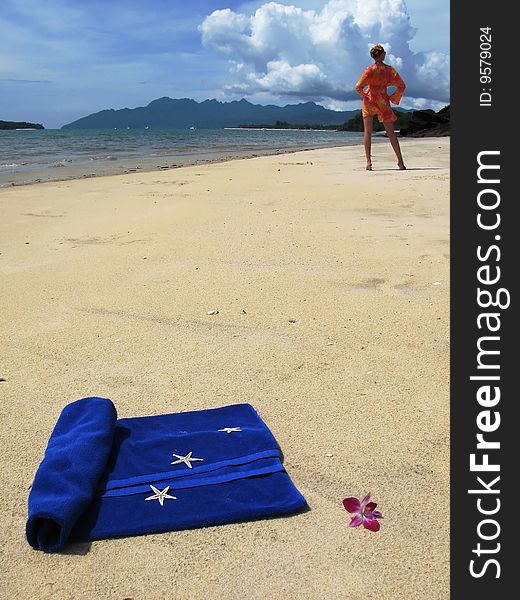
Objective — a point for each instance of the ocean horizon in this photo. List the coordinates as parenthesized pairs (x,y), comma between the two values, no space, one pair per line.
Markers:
(29,156)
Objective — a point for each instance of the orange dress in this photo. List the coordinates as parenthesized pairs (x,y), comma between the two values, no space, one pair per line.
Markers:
(376,101)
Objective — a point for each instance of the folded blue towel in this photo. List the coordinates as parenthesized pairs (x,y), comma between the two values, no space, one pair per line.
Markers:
(102,477)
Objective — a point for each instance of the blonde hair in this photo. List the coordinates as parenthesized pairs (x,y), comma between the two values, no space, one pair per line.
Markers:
(376,51)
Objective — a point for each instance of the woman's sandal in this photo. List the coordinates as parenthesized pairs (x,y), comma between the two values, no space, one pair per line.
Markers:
(369,167)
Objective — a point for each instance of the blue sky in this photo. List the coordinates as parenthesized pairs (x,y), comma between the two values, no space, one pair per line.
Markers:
(64,59)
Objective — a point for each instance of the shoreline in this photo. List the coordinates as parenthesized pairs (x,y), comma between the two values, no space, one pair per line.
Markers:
(127,166)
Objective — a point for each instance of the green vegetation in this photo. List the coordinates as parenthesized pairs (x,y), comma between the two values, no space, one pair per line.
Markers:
(356,123)
(20,125)
(286,125)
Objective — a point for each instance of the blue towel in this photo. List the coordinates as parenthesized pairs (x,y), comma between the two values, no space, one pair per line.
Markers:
(102,478)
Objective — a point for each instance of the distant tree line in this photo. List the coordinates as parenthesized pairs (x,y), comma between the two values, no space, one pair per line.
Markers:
(20,125)
(286,125)
(354,124)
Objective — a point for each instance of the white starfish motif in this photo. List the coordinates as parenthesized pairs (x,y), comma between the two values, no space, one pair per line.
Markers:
(230,429)
(187,460)
(161,496)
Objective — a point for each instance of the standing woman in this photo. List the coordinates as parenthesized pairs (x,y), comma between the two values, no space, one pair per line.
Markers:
(376,101)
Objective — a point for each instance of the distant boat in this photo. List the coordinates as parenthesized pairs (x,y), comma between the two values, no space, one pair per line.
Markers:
(146,127)
(192,127)
(26,129)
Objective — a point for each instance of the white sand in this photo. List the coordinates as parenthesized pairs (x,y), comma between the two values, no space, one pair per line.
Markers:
(106,285)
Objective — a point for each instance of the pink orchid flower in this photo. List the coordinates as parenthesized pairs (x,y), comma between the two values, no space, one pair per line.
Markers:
(363,513)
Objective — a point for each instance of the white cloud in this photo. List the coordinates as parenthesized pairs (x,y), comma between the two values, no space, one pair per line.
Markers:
(224,31)
(290,51)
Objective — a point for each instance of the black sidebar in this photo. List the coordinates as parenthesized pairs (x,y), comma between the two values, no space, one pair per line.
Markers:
(485,359)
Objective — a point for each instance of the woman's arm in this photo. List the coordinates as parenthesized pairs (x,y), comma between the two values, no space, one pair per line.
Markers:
(396,81)
(362,83)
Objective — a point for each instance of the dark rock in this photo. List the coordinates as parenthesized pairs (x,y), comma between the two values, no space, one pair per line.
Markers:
(428,123)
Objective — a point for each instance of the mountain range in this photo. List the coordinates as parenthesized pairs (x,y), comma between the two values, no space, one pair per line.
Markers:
(183,113)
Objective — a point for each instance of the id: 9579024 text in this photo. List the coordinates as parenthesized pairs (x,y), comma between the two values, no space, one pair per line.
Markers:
(485,66)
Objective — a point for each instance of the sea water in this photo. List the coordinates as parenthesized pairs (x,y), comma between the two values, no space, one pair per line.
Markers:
(28,156)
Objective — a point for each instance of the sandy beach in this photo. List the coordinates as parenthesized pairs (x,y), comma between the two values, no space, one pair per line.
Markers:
(332,290)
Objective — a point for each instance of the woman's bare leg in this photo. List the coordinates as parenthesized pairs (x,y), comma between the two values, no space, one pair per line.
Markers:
(395,143)
(367,126)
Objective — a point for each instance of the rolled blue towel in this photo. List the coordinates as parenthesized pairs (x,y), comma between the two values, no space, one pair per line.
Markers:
(69,475)
(102,478)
